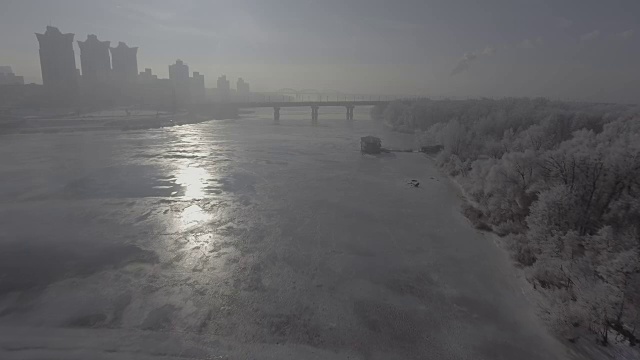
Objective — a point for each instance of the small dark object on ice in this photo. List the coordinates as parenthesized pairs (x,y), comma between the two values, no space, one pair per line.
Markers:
(414,183)
(370,145)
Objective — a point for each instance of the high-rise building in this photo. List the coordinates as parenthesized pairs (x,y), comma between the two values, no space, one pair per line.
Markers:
(57,61)
(223,84)
(197,90)
(242,87)
(124,63)
(224,89)
(179,72)
(94,60)
(179,77)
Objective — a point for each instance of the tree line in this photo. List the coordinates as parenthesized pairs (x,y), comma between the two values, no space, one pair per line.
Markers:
(560,182)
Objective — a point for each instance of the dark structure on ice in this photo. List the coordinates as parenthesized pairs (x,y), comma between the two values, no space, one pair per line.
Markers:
(370,145)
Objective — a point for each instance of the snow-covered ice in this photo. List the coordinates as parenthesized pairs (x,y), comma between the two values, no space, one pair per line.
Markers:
(244,239)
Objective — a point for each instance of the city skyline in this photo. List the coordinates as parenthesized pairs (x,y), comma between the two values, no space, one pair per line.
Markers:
(103,65)
(110,75)
(99,64)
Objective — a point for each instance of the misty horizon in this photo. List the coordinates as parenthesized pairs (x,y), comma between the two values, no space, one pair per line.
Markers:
(585,51)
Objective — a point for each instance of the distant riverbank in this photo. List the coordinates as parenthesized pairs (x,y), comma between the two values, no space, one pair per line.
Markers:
(117,119)
(28,126)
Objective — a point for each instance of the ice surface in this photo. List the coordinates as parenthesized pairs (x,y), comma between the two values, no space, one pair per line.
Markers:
(244,239)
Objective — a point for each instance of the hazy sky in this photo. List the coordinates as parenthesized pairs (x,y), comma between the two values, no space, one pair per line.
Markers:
(585,49)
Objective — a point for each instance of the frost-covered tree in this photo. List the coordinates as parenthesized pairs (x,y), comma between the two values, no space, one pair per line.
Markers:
(563,179)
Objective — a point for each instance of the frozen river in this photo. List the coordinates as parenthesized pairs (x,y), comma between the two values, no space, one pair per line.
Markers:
(247,240)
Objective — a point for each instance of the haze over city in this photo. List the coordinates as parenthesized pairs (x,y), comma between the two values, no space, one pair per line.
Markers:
(582,50)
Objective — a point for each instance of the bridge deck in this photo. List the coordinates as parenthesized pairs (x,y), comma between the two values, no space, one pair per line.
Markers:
(258,104)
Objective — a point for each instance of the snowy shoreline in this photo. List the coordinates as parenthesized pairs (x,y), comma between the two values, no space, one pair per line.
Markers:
(581,346)
(99,123)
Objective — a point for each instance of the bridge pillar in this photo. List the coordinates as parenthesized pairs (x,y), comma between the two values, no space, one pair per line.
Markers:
(314,114)
(276,114)
(350,112)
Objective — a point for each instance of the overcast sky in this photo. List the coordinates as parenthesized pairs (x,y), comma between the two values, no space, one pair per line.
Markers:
(581,49)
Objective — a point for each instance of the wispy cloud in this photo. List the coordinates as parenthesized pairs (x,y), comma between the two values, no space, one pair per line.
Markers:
(392,25)
(590,36)
(489,50)
(164,19)
(152,13)
(531,43)
(563,22)
(463,62)
(628,34)
(527,44)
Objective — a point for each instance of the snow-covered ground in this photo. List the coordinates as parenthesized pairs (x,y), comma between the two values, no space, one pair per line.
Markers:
(247,240)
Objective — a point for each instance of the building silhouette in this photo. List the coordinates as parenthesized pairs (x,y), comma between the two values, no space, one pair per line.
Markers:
(58,62)
(152,91)
(242,87)
(179,72)
(223,84)
(124,62)
(147,77)
(94,61)
(7,77)
(224,88)
(197,90)
(179,77)
(110,75)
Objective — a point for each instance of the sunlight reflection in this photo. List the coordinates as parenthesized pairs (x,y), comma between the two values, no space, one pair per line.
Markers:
(193,215)
(197,165)
(193,181)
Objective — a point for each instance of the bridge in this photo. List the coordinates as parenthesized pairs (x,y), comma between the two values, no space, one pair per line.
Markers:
(314,105)
(277,102)
(309,94)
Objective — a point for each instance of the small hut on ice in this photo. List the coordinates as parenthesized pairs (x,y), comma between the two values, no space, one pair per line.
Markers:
(370,145)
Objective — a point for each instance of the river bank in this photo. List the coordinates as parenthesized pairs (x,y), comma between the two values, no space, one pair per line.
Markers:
(542,302)
(512,161)
(74,123)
